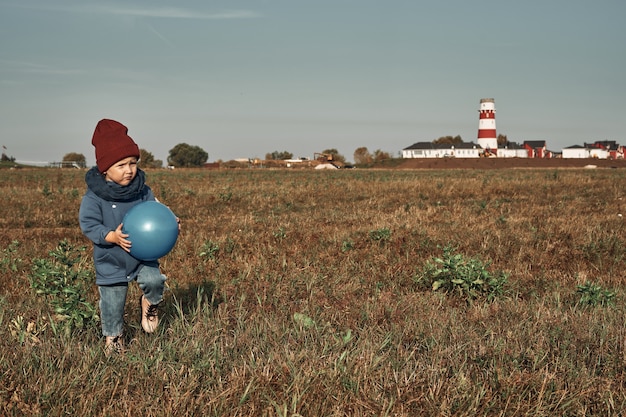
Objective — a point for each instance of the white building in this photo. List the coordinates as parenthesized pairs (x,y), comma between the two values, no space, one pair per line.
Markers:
(575,151)
(512,150)
(578,151)
(442,150)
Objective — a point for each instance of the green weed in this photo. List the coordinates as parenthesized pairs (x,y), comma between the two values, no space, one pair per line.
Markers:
(64,282)
(592,294)
(209,250)
(226,195)
(10,261)
(280,233)
(468,278)
(46,191)
(380,235)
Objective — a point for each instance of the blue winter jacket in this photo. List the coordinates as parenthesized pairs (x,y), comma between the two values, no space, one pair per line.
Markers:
(100,213)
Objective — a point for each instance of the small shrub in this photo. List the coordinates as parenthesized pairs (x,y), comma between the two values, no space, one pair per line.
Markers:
(281,233)
(226,195)
(456,274)
(230,245)
(594,295)
(10,262)
(64,283)
(347,245)
(209,250)
(380,235)
(46,191)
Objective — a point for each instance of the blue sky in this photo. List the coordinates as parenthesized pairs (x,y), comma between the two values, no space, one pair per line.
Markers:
(244,78)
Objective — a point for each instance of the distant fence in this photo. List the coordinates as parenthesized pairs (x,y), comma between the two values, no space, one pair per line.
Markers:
(67,164)
(62,164)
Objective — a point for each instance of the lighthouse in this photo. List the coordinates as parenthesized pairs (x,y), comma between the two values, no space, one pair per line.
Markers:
(487,138)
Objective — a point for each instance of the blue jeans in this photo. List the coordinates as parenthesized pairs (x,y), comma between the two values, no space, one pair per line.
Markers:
(113,298)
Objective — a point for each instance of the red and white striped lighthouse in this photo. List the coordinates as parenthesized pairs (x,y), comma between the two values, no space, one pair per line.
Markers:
(487,138)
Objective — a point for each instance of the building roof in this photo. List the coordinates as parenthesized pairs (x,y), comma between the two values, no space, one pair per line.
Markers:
(443,146)
(535,143)
(513,145)
(603,144)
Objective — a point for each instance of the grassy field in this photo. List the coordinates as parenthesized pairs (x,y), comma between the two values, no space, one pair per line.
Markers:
(312,293)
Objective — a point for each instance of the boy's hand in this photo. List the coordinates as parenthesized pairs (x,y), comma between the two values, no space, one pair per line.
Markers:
(117,237)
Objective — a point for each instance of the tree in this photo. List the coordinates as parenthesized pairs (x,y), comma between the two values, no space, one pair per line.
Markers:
(502,140)
(74,158)
(146,160)
(184,155)
(336,155)
(449,140)
(362,156)
(6,158)
(380,156)
(278,156)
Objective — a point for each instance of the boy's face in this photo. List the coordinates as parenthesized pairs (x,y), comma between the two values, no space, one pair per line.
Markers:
(122,172)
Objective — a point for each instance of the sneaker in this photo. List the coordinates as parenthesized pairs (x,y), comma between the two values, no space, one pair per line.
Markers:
(113,344)
(149,315)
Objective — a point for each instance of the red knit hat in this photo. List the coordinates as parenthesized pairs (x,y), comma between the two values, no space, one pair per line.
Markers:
(112,144)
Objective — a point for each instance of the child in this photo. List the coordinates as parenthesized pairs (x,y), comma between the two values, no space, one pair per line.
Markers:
(114,186)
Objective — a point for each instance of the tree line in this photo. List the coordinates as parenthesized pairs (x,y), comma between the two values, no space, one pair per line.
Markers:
(453,140)
(184,155)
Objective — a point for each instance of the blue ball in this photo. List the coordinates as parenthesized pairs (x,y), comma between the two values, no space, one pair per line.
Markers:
(152,230)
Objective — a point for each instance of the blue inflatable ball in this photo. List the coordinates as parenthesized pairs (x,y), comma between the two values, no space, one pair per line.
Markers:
(152,230)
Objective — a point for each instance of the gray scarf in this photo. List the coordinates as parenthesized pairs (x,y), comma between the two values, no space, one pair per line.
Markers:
(111,191)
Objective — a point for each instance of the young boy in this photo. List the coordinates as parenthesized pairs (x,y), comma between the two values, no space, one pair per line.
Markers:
(114,186)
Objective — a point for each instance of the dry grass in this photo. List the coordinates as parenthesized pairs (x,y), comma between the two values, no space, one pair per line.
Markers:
(282,302)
